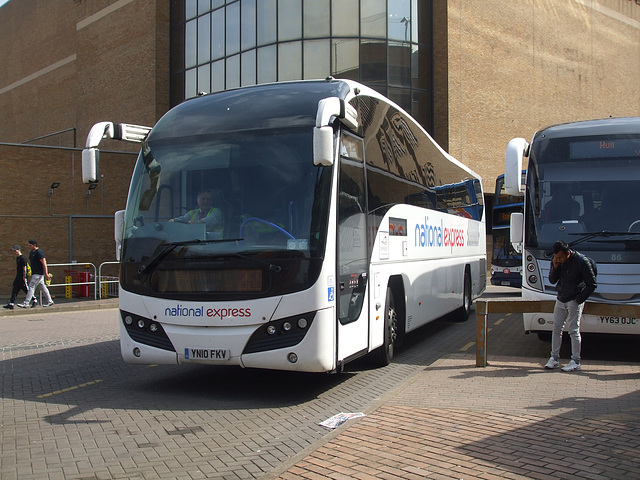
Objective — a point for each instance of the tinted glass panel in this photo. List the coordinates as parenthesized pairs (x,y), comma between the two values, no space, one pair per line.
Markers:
(267,64)
(204,44)
(266,21)
(401,96)
(204,78)
(289,20)
(316,59)
(191,8)
(191,42)
(190,83)
(233,72)
(233,28)
(399,64)
(400,20)
(345,58)
(204,6)
(248,16)
(420,67)
(289,61)
(374,61)
(373,15)
(316,18)
(248,76)
(217,34)
(422,22)
(344,18)
(217,76)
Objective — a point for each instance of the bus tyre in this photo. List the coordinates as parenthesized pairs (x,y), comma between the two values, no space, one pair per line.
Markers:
(384,354)
(465,309)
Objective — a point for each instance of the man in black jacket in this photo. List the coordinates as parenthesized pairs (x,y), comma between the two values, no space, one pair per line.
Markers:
(575,280)
(20,282)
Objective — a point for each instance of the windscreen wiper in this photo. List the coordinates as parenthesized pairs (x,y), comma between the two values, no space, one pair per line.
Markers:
(171,246)
(602,233)
(590,235)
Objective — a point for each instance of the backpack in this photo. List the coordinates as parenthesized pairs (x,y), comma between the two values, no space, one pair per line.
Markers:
(594,265)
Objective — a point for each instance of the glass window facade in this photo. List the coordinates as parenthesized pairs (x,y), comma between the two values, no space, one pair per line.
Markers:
(218,45)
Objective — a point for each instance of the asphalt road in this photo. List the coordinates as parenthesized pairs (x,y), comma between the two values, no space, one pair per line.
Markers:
(72,409)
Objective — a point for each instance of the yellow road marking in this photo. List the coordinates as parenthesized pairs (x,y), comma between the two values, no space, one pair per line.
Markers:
(467,346)
(499,321)
(64,390)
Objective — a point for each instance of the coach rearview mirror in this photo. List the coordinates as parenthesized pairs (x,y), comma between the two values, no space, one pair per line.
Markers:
(516,230)
(90,159)
(323,146)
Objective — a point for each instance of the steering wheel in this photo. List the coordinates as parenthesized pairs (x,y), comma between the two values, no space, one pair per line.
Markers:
(265,222)
(635,226)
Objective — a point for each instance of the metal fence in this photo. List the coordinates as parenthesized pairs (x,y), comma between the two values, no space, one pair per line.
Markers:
(83,280)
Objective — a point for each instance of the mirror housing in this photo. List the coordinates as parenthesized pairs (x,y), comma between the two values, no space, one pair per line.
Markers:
(90,160)
(516,230)
(118,231)
(517,148)
(323,150)
(329,109)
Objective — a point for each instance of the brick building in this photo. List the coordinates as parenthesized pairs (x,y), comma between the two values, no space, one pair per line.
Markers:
(475,74)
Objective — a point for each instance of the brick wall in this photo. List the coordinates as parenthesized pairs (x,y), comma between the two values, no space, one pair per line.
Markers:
(514,67)
(68,225)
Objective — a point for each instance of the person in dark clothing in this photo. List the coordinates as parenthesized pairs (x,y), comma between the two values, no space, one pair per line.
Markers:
(20,282)
(39,275)
(576,281)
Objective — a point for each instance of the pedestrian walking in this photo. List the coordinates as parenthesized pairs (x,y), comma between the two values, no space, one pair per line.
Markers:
(573,273)
(20,282)
(39,273)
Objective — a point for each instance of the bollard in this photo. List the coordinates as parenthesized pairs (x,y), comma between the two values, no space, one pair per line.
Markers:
(67,289)
(481,334)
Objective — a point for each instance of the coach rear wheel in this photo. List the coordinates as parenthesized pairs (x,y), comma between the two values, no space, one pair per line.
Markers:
(465,310)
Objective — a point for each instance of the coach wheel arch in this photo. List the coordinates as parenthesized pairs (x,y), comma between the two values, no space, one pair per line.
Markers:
(394,319)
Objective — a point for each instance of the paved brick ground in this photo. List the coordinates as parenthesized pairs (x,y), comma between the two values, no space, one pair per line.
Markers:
(510,420)
(430,415)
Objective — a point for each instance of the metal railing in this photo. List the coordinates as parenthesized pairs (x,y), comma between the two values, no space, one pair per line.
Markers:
(82,277)
(88,283)
(108,284)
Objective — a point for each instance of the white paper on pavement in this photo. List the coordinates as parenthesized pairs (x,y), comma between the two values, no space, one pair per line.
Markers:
(339,419)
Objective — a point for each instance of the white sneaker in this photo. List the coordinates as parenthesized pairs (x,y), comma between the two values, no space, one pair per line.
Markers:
(48,304)
(552,363)
(23,305)
(571,367)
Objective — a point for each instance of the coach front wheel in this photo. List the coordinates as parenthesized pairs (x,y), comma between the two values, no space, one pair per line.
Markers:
(384,354)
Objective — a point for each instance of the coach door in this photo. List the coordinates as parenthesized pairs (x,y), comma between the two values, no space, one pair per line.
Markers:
(352,252)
